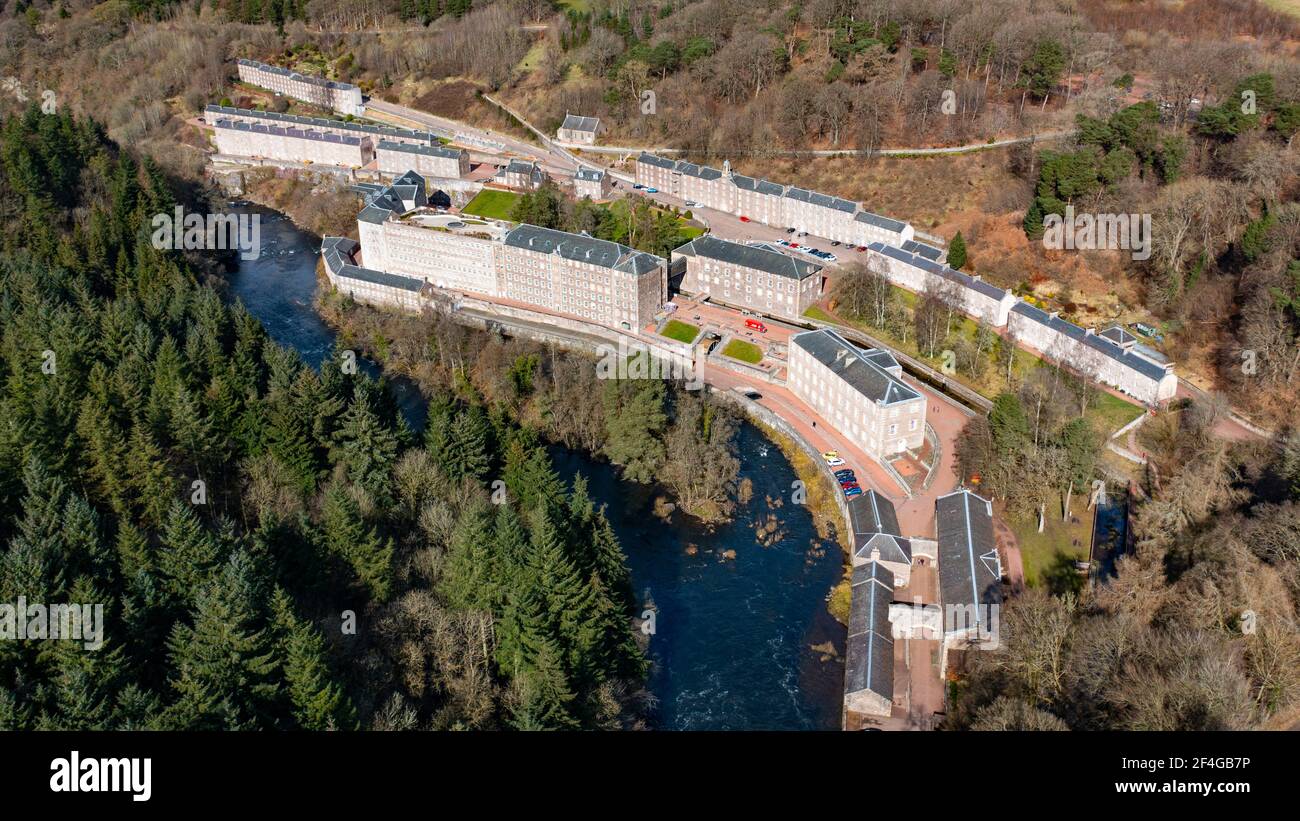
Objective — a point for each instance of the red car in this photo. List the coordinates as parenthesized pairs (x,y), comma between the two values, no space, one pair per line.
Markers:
(744,219)
(756,325)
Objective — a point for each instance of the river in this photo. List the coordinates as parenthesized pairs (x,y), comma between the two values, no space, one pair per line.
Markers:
(732,647)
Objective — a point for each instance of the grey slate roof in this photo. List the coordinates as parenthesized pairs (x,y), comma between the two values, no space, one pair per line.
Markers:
(655,160)
(1118,335)
(588,174)
(869,662)
(875,527)
(759,185)
(950,274)
(921,249)
(299,133)
(437,150)
(969,570)
(804,195)
(370,275)
(221,112)
(758,257)
(880,222)
(582,248)
(1128,359)
(851,364)
(284,72)
(337,252)
(393,198)
(572,122)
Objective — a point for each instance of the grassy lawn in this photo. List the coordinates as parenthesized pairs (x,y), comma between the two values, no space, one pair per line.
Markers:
(681,331)
(1048,555)
(744,351)
(491,204)
(1112,413)
(818,314)
(533,57)
(620,207)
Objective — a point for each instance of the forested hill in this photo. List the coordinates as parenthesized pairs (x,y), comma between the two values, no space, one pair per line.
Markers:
(125,379)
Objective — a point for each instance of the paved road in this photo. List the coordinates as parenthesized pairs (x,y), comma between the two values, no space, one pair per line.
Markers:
(843,152)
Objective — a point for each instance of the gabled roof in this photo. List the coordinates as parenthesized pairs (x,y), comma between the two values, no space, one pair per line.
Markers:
(854,366)
(582,248)
(1128,359)
(298,133)
(437,150)
(758,257)
(880,222)
(306,78)
(869,652)
(272,117)
(382,278)
(1118,335)
(943,271)
(572,122)
(970,572)
(754,184)
(655,160)
(588,174)
(922,250)
(804,195)
(337,252)
(394,199)
(875,527)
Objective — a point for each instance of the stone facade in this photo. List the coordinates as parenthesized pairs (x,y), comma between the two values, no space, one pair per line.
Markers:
(344,98)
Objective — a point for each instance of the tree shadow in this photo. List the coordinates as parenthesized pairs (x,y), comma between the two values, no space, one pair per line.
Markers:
(1062,577)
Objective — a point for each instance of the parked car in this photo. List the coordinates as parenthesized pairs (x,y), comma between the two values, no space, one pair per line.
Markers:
(789,230)
(862,247)
(793,244)
(744,219)
(845,474)
(830,454)
(853,491)
(803,233)
(834,242)
(835,461)
(638,186)
(691,203)
(831,257)
(756,325)
(848,483)
(652,190)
